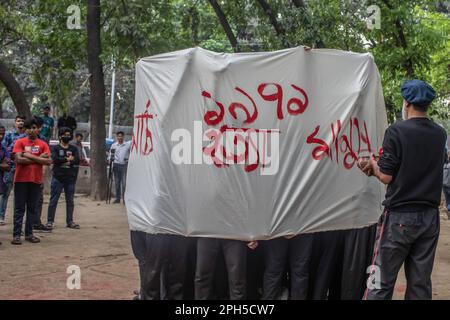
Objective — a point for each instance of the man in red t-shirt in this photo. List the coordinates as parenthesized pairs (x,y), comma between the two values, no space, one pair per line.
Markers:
(31,155)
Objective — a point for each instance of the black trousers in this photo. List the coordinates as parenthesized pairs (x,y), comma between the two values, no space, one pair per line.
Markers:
(164,267)
(326,265)
(339,263)
(26,197)
(255,272)
(190,265)
(139,245)
(235,254)
(357,256)
(297,251)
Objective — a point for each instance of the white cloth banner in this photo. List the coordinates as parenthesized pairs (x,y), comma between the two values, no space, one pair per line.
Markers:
(254,145)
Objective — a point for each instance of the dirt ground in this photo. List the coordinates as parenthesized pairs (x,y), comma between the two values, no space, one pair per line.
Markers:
(101,248)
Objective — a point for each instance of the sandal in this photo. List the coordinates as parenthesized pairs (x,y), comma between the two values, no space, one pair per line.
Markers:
(16,241)
(73,225)
(32,239)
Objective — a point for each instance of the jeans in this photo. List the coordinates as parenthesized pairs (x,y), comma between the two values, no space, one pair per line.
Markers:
(26,196)
(408,238)
(4,198)
(446,191)
(38,214)
(56,189)
(120,179)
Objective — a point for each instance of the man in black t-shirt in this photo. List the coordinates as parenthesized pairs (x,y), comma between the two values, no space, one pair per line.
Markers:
(411,167)
(67,121)
(65,171)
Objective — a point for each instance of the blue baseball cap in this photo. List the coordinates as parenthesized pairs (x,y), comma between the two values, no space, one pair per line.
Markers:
(418,92)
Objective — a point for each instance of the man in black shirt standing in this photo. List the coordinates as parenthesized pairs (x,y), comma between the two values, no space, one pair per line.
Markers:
(411,167)
(67,121)
(65,171)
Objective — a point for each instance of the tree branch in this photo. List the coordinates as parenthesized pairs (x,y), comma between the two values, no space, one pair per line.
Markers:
(273,20)
(403,43)
(298,3)
(107,16)
(16,93)
(132,40)
(225,25)
(9,42)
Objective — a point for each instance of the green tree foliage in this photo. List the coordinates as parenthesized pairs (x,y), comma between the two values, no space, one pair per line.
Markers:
(425,50)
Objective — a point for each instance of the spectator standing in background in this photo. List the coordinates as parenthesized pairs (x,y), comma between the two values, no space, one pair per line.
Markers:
(4,161)
(47,125)
(10,138)
(120,163)
(446,181)
(67,121)
(78,143)
(31,154)
(65,172)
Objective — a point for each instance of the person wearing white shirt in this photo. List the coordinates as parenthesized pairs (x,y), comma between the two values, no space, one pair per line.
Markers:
(121,152)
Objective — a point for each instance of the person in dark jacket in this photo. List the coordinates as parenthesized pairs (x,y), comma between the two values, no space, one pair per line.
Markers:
(67,121)
(65,171)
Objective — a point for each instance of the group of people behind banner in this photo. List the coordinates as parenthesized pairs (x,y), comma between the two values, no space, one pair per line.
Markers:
(324,265)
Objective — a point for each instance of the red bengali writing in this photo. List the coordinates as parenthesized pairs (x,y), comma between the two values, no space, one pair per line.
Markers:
(346,144)
(246,138)
(269,92)
(142,140)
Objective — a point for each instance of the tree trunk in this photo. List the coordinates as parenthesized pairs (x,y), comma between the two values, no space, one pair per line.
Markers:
(226,26)
(97,102)
(16,93)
